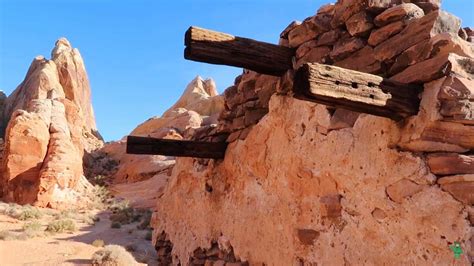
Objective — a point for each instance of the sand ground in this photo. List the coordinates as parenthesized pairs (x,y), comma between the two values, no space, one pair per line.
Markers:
(76,248)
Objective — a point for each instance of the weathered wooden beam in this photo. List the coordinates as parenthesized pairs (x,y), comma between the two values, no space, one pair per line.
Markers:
(223,49)
(179,148)
(356,91)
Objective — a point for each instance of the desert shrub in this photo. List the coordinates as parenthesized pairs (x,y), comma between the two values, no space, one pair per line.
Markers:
(23,213)
(113,255)
(89,219)
(29,213)
(98,197)
(124,214)
(98,243)
(65,214)
(61,226)
(33,229)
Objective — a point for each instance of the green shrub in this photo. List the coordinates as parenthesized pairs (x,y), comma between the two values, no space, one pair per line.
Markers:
(34,226)
(61,226)
(33,229)
(113,255)
(24,213)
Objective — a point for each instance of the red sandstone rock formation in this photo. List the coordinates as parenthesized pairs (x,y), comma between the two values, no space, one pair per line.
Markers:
(50,126)
(305,184)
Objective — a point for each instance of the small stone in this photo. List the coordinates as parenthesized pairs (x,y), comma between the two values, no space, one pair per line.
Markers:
(307,236)
(302,33)
(379,214)
(345,48)
(305,48)
(344,9)
(315,55)
(328,38)
(400,12)
(290,27)
(379,35)
(359,24)
(427,5)
(362,60)
(403,189)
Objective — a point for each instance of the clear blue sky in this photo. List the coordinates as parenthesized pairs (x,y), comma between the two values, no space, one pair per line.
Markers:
(133,50)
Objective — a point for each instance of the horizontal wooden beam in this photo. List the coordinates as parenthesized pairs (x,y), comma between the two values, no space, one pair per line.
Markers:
(356,91)
(223,49)
(179,148)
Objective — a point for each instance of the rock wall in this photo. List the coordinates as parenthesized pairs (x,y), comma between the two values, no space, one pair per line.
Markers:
(50,126)
(304,184)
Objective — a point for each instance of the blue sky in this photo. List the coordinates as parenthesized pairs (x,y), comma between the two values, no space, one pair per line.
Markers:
(133,50)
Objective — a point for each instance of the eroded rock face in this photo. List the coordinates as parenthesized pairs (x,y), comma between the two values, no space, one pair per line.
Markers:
(198,106)
(305,184)
(50,126)
(286,178)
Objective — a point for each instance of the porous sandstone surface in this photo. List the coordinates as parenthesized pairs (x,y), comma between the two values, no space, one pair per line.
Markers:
(293,192)
(303,183)
(50,125)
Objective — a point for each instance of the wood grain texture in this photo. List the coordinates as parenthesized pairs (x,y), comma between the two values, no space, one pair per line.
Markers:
(356,91)
(213,47)
(179,148)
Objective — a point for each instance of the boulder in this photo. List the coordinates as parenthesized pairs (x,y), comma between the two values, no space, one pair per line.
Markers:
(360,24)
(345,47)
(401,12)
(379,35)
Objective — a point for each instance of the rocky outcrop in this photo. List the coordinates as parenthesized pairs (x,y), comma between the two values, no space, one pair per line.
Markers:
(199,106)
(51,126)
(304,184)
